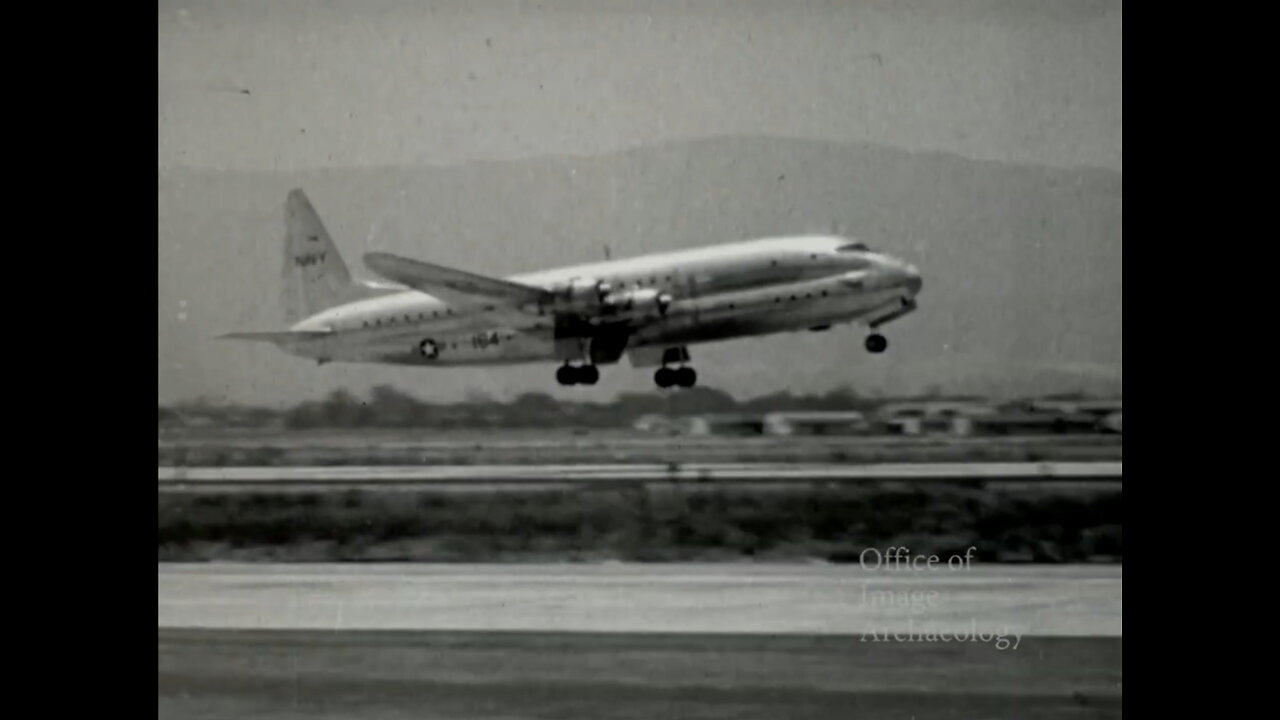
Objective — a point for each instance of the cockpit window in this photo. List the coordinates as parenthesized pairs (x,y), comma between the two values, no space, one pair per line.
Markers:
(853,247)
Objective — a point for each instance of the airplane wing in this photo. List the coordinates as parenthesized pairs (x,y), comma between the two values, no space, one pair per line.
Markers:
(276,336)
(510,304)
(454,286)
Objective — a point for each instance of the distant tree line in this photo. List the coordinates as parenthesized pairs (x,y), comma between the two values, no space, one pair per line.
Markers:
(387,407)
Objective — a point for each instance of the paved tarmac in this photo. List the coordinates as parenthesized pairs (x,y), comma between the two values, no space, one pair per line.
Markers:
(180,478)
(633,642)
(642,598)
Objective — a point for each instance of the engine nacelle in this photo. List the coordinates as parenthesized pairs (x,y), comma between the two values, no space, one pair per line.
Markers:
(641,302)
(582,295)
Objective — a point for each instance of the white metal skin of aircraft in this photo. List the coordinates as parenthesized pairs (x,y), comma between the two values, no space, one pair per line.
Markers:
(649,308)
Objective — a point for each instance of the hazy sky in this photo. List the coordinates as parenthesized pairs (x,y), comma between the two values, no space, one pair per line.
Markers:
(288,85)
(373,82)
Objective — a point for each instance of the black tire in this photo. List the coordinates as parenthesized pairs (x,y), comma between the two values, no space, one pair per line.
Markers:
(686,377)
(664,377)
(567,375)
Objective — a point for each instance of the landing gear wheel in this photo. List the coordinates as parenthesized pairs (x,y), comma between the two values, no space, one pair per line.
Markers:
(876,343)
(578,375)
(665,377)
(685,377)
(567,375)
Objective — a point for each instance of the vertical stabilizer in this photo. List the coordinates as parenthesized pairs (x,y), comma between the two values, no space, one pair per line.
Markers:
(315,277)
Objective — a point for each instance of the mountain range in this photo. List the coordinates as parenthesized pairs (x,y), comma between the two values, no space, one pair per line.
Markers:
(1022,264)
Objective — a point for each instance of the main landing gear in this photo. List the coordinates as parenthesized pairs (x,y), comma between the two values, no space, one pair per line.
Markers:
(876,343)
(578,374)
(684,377)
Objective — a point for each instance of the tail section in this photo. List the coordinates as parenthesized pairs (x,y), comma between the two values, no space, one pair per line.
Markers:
(315,277)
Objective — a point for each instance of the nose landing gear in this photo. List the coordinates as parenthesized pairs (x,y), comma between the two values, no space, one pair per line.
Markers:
(685,377)
(876,343)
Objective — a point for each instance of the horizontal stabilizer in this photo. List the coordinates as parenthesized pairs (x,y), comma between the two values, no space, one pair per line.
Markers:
(452,285)
(276,336)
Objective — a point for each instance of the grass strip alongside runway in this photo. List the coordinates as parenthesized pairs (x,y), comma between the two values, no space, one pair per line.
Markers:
(834,523)
(307,674)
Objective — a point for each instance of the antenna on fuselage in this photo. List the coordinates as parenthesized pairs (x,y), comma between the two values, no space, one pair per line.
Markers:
(607,255)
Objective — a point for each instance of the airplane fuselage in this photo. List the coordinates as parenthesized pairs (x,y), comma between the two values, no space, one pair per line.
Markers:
(743,289)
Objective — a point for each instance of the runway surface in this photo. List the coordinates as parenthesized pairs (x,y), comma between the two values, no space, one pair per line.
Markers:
(461,676)
(343,476)
(713,598)
(512,447)
(567,642)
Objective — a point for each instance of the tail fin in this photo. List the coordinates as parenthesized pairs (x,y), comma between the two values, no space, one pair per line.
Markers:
(315,277)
